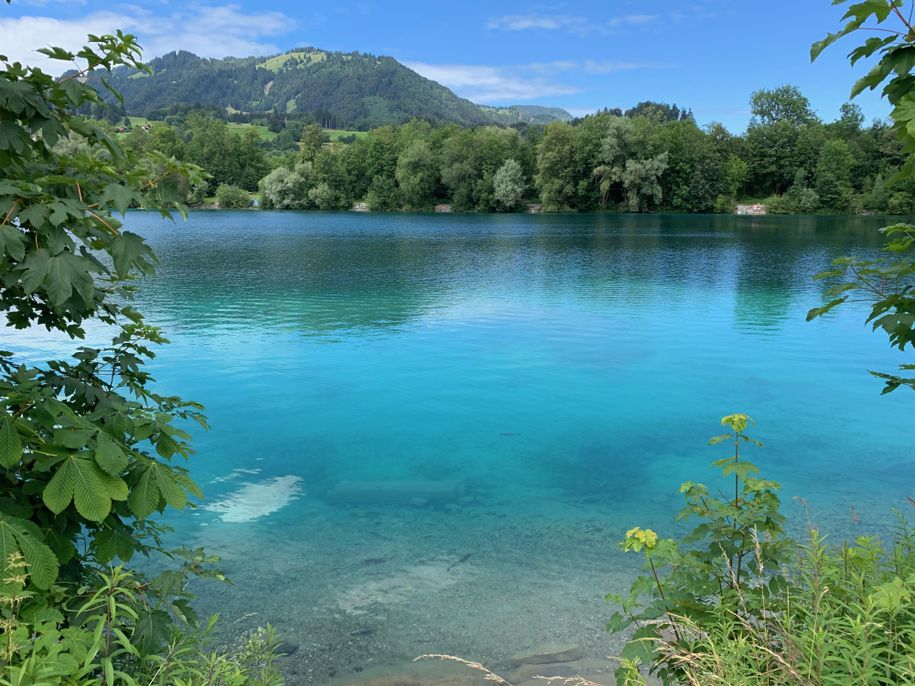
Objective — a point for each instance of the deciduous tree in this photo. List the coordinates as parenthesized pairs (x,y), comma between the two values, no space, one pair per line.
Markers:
(509,185)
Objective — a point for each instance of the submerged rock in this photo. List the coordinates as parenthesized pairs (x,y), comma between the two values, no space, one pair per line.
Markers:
(528,672)
(424,673)
(597,670)
(413,492)
(287,648)
(547,654)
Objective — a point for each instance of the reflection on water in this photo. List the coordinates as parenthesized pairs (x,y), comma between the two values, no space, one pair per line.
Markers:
(318,274)
(428,431)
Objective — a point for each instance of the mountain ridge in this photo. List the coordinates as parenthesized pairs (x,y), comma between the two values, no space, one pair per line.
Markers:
(336,89)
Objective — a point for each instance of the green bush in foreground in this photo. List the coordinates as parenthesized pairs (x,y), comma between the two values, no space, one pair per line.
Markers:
(738,602)
(89,452)
(94,639)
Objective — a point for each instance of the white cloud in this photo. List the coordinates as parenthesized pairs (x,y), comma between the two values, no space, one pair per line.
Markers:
(551,67)
(45,3)
(513,83)
(566,22)
(704,11)
(598,67)
(632,19)
(548,22)
(586,66)
(20,37)
(207,30)
(488,84)
(215,31)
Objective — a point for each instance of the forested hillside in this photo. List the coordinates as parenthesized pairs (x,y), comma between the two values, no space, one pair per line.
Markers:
(334,89)
(525,114)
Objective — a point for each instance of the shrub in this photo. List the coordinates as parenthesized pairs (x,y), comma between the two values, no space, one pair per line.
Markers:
(712,567)
(89,450)
(778,204)
(737,602)
(725,204)
(900,203)
(323,197)
(232,197)
(509,185)
(285,189)
(383,195)
(99,637)
(851,620)
(806,200)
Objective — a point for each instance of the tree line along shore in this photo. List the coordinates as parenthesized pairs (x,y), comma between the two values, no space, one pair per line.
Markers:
(654,157)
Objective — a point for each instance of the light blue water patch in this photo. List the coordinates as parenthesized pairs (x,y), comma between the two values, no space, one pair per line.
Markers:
(562,372)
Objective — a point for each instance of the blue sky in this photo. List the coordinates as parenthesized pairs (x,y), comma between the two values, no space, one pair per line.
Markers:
(709,55)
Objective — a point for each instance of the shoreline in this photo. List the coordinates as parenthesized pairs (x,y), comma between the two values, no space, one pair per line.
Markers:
(590,213)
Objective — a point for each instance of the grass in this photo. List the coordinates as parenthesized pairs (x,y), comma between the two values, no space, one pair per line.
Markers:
(263,132)
(337,134)
(274,64)
(134,122)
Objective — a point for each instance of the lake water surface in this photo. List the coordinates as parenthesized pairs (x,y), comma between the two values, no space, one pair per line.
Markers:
(559,374)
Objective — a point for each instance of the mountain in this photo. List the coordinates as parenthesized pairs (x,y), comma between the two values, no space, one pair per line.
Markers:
(526,114)
(340,90)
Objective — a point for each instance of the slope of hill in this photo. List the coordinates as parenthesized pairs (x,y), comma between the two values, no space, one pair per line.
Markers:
(526,114)
(345,90)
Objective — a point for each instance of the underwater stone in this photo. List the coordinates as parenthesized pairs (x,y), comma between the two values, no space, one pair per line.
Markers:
(286,648)
(527,673)
(397,492)
(594,669)
(547,654)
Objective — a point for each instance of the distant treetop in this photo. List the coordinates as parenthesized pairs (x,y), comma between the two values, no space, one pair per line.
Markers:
(783,104)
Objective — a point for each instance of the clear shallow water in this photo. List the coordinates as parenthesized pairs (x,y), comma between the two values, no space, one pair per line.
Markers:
(567,369)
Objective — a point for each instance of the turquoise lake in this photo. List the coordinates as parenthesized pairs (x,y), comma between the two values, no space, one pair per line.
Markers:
(560,374)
